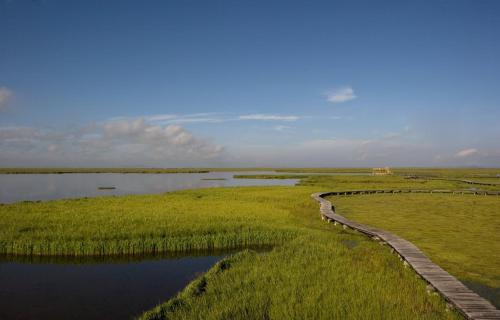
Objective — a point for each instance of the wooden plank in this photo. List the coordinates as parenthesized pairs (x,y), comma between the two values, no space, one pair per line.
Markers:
(470,304)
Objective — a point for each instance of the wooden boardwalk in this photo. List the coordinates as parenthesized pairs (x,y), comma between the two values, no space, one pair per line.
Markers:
(455,180)
(467,302)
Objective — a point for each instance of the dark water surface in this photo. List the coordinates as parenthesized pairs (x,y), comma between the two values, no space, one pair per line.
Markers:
(93,289)
(21,187)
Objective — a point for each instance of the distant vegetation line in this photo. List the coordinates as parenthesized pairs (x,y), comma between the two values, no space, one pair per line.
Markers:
(97,170)
(60,170)
(480,173)
(269,176)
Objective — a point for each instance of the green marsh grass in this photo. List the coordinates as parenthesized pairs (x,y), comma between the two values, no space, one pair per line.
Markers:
(314,276)
(458,232)
(343,183)
(269,176)
(202,219)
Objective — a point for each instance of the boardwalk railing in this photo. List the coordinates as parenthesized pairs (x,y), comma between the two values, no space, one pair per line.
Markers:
(455,180)
(467,302)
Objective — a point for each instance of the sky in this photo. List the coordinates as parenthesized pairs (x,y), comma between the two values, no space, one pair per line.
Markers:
(249,83)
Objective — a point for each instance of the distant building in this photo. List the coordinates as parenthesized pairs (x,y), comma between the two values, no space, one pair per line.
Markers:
(381,171)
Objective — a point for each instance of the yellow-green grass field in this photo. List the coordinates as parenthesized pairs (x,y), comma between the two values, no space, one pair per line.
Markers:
(318,275)
(179,221)
(458,232)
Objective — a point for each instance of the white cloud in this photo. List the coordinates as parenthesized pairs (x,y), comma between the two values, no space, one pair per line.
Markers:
(140,131)
(210,117)
(188,118)
(16,133)
(213,117)
(466,153)
(340,95)
(139,142)
(122,142)
(52,147)
(161,117)
(268,117)
(281,128)
(5,95)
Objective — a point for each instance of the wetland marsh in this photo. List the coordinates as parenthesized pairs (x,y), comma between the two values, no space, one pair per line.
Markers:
(309,263)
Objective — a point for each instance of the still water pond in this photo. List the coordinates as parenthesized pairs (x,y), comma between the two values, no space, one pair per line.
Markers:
(85,289)
(21,187)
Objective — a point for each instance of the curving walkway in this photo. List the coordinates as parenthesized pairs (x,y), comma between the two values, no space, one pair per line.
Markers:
(467,302)
(456,180)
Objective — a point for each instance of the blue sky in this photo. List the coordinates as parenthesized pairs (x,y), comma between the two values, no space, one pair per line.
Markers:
(249,83)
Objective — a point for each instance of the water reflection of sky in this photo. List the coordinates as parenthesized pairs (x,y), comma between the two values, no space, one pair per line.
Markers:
(20,187)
